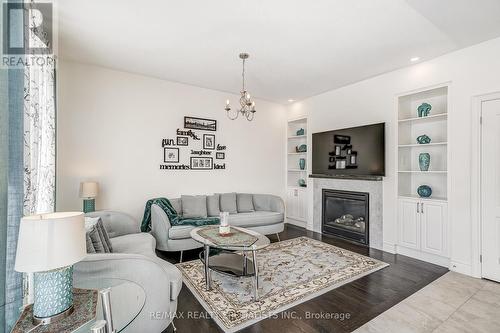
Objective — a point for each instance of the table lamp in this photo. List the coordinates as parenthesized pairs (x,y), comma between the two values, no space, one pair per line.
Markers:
(48,245)
(88,191)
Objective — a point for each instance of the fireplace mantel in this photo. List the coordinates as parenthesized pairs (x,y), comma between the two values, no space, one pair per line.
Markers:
(353,177)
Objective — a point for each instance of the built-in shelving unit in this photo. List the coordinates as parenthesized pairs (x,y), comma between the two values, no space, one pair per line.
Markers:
(423,226)
(296,203)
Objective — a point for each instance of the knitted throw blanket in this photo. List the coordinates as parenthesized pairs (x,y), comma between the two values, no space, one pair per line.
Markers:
(175,219)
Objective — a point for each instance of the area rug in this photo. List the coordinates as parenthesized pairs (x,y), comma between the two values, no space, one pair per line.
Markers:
(290,272)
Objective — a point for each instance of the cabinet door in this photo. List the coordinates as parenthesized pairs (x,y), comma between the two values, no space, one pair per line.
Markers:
(409,223)
(292,208)
(434,222)
(302,204)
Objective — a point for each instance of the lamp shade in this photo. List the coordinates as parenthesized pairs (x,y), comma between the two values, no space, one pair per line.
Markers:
(50,241)
(89,189)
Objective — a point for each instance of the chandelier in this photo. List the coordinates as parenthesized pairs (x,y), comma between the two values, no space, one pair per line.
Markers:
(247,106)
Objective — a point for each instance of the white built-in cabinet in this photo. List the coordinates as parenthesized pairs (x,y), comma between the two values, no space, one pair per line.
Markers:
(423,226)
(296,196)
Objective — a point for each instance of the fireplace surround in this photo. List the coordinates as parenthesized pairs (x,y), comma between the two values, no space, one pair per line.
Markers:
(346,215)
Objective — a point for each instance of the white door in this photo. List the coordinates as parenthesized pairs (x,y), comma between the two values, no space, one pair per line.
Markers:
(434,224)
(409,223)
(490,189)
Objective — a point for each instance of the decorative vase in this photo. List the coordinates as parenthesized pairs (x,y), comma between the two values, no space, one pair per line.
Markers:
(302,183)
(424,160)
(53,293)
(301,148)
(424,191)
(300,132)
(302,163)
(424,110)
(423,139)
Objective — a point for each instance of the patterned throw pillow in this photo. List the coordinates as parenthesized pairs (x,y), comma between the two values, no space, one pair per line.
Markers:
(98,236)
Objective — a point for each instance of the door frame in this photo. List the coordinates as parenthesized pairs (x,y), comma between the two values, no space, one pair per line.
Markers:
(475,183)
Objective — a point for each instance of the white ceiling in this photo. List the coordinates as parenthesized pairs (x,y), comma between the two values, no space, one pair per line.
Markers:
(298,48)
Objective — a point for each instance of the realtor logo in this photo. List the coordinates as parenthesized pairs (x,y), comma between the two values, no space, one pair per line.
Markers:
(27,28)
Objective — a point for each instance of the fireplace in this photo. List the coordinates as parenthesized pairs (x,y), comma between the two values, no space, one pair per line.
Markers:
(346,215)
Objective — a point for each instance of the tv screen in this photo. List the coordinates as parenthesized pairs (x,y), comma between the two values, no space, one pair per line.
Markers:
(356,151)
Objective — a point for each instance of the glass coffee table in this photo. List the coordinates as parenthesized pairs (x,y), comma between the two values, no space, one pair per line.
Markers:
(230,254)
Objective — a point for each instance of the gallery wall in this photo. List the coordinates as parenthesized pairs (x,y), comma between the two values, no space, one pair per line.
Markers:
(471,72)
(112,126)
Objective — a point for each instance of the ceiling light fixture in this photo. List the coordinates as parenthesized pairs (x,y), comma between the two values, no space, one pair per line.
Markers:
(414,59)
(291,100)
(247,108)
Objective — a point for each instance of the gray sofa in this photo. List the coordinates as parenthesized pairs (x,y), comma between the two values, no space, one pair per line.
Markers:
(267,218)
(134,259)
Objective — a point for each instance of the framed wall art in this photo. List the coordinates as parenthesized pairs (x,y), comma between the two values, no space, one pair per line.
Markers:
(209,141)
(220,156)
(200,123)
(182,140)
(201,163)
(170,155)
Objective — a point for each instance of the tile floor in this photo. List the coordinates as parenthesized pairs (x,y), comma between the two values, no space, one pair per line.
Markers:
(454,303)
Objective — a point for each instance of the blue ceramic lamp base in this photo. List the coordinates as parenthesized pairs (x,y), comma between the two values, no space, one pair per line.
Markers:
(89,205)
(53,295)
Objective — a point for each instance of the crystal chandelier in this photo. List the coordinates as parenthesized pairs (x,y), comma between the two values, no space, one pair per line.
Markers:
(247,106)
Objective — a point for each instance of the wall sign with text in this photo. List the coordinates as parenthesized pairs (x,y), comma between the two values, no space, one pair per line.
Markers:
(194,147)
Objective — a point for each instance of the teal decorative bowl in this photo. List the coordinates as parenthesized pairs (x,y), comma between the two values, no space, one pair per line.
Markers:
(423,139)
(301,148)
(300,132)
(302,183)
(424,191)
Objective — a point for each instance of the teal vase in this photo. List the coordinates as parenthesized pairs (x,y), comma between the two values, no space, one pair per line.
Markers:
(302,163)
(424,191)
(424,160)
(300,132)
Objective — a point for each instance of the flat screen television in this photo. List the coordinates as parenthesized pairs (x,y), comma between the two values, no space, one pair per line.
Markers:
(356,151)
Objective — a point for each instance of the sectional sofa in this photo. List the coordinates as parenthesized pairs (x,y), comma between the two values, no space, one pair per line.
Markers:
(263,213)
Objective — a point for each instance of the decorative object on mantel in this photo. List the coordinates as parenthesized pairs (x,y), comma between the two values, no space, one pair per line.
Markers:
(424,160)
(424,110)
(48,245)
(301,149)
(247,106)
(302,163)
(302,182)
(88,191)
(85,305)
(300,132)
(424,191)
(423,139)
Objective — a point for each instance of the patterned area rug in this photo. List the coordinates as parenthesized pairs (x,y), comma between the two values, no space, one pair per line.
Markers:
(290,272)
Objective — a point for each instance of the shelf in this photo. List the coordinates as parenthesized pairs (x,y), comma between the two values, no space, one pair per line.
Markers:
(436,116)
(304,153)
(298,120)
(297,187)
(297,170)
(422,172)
(416,197)
(423,145)
(297,136)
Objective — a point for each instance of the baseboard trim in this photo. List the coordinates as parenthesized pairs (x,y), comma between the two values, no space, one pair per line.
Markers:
(297,223)
(389,247)
(432,258)
(462,268)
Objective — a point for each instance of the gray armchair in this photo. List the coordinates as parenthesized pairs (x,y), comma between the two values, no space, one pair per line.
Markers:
(134,259)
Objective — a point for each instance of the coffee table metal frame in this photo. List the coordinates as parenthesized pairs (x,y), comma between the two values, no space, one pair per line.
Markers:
(242,265)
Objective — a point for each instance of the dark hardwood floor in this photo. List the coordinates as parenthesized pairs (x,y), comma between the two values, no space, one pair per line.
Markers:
(354,303)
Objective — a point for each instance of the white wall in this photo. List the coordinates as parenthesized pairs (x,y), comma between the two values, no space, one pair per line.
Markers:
(110,126)
(472,71)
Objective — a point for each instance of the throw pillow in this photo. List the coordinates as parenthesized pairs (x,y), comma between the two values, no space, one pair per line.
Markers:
(90,246)
(228,203)
(194,206)
(213,205)
(96,239)
(244,203)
